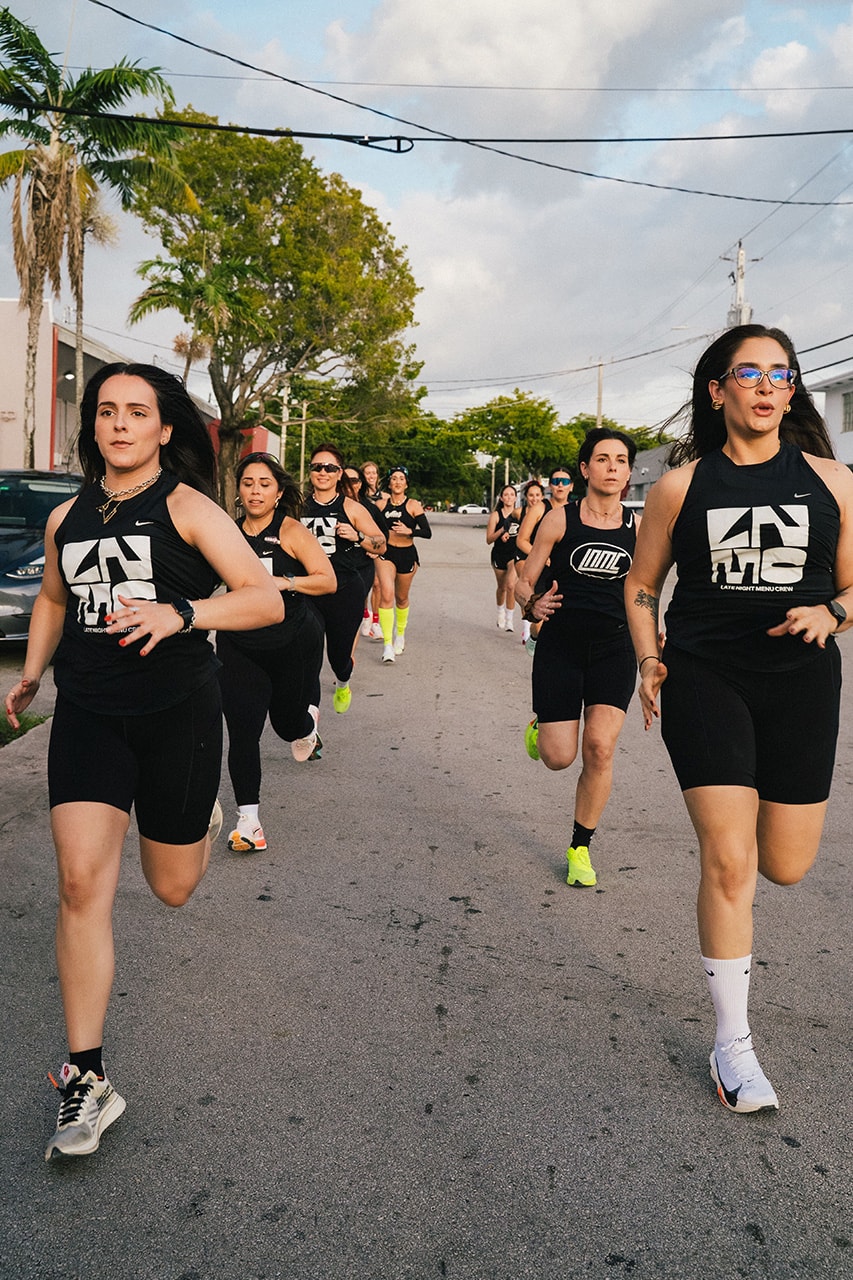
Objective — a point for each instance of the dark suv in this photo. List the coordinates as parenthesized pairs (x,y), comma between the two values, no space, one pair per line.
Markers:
(26,500)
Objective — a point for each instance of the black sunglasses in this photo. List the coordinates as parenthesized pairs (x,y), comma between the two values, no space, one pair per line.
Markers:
(331,467)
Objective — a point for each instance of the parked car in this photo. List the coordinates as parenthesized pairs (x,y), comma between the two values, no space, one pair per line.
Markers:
(26,500)
(472,509)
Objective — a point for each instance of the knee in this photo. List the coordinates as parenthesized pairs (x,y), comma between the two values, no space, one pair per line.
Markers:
(730,876)
(597,755)
(556,758)
(174,893)
(78,888)
(782,873)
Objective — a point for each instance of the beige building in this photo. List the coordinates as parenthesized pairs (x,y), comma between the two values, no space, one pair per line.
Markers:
(56,424)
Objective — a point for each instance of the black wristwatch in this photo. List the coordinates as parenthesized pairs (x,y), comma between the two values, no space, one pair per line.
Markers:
(838,612)
(185,610)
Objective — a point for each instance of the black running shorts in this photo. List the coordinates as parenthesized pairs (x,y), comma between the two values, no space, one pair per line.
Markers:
(404,559)
(166,763)
(772,732)
(582,662)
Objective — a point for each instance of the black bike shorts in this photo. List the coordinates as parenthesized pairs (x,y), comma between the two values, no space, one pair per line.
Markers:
(774,732)
(580,665)
(166,763)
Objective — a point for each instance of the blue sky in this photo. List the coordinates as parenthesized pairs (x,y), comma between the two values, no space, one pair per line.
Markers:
(531,275)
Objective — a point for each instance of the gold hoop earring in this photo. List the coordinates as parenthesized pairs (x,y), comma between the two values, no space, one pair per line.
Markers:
(716,404)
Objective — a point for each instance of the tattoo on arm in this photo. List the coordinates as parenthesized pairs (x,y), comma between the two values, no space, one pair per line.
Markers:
(645,601)
(375,542)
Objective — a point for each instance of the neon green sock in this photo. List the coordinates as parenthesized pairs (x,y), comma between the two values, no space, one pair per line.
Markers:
(402,619)
(386,622)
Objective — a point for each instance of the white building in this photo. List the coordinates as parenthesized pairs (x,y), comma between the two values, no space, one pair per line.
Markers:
(838,413)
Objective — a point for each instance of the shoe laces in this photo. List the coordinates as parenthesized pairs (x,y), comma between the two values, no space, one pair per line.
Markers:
(740,1057)
(74,1098)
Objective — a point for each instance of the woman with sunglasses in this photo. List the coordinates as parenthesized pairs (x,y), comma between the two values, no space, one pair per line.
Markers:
(584,662)
(757,517)
(560,488)
(404,520)
(344,528)
(272,671)
(501,534)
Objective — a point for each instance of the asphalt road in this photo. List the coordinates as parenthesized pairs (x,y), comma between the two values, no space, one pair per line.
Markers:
(397,1046)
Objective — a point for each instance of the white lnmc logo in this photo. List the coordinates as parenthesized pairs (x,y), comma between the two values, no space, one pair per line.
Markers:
(752,545)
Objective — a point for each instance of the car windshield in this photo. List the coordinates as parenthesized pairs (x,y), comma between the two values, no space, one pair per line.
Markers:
(27,501)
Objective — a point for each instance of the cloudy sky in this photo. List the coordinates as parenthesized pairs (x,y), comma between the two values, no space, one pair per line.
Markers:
(567,243)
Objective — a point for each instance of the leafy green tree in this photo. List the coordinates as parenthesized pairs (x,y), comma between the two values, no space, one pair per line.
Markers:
(521,427)
(327,296)
(64,160)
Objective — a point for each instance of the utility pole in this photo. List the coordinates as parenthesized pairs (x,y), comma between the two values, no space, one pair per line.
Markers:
(284,387)
(740,312)
(600,404)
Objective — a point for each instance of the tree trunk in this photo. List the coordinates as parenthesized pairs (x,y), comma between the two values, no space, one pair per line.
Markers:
(34,309)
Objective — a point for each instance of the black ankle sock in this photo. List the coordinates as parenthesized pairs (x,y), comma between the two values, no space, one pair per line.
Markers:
(89,1060)
(581,836)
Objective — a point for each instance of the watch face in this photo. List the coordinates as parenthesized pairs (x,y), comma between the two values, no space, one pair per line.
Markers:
(838,611)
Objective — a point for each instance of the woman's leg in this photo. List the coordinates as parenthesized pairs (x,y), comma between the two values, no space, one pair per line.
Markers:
(174,871)
(386,572)
(88,839)
(246,697)
(602,725)
(788,839)
(558,743)
(725,820)
(500,587)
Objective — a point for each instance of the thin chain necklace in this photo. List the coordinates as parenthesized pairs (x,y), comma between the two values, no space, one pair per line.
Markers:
(115,496)
(604,515)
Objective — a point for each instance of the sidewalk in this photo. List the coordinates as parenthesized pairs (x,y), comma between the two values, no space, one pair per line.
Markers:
(397,1046)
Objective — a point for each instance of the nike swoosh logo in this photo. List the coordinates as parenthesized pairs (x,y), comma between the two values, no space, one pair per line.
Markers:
(140,523)
(803,495)
(731,1094)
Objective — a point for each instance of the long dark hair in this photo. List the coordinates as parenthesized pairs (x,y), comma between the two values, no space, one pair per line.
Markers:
(189,452)
(706,426)
(290,495)
(500,500)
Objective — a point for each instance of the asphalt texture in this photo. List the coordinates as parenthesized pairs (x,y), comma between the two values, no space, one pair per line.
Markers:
(396,1046)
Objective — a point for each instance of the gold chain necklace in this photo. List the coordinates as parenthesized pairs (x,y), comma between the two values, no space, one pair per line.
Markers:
(115,496)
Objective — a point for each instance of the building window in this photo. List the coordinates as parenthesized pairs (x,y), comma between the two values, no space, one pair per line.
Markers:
(847,411)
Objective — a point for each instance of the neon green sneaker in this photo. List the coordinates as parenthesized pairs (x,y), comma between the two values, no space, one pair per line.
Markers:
(531,739)
(342,698)
(581,870)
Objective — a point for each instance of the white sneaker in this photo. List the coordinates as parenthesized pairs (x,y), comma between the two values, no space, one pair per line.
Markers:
(302,748)
(741,1084)
(375,632)
(509,625)
(388,653)
(366,625)
(216,821)
(88,1107)
(247,837)
(501,618)
(399,644)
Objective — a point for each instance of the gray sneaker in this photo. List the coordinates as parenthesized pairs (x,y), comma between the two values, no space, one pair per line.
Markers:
(89,1106)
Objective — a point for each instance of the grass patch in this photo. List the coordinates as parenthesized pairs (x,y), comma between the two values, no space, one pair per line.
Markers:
(8,734)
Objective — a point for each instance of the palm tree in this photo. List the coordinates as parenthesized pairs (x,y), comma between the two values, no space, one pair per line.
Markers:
(71,147)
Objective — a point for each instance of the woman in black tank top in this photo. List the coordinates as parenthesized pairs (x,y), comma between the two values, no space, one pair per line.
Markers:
(129,566)
(583,662)
(272,672)
(756,520)
(403,520)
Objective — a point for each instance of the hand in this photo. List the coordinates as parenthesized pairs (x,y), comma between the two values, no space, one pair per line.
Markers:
(652,677)
(19,698)
(548,603)
(810,622)
(347,532)
(401,529)
(139,618)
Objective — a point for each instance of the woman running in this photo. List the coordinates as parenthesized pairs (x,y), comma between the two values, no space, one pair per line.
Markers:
(584,660)
(404,520)
(560,488)
(758,519)
(372,491)
(532,497)
(356,488)
(275,670)
(501,534)
(342,526)
(126,604)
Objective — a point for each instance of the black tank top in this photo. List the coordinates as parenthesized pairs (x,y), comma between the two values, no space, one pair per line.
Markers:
(590,566)
(138,554)
(323,518)
(508,523)
(281,564)
(392,512)
(751,542)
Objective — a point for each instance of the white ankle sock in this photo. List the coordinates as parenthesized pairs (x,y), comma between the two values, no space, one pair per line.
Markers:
(249,811)
(728,982)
